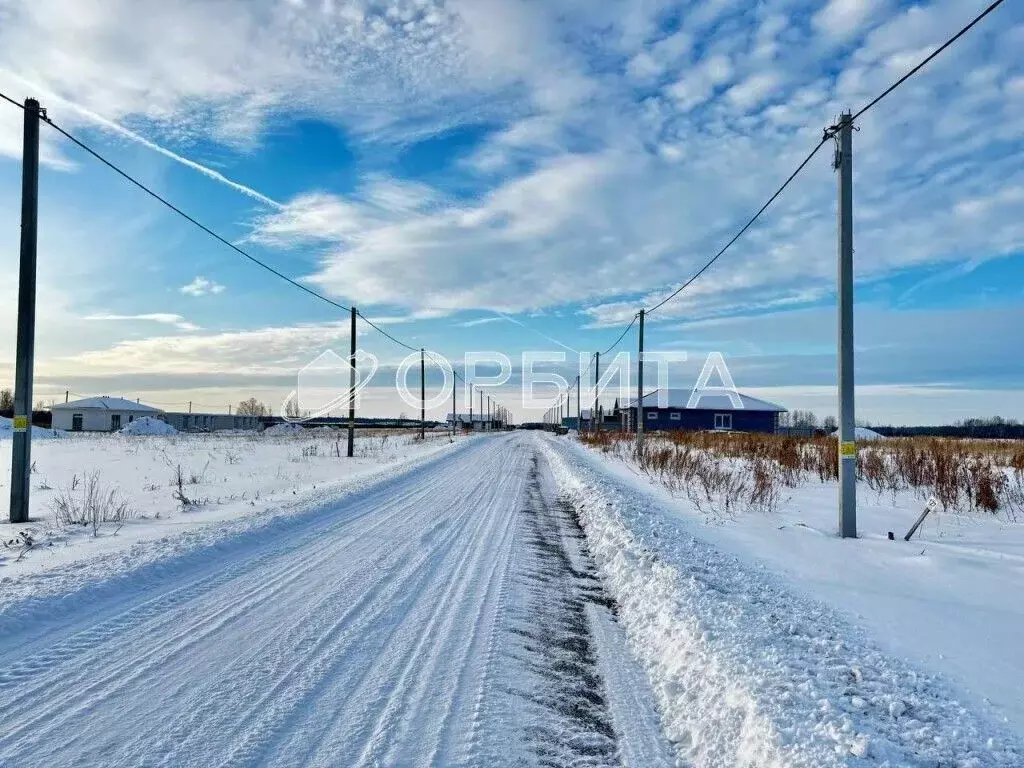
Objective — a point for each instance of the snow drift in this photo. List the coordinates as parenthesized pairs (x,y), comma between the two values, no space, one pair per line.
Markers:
(287,428)
(148,425)
(863,434)
(38,433)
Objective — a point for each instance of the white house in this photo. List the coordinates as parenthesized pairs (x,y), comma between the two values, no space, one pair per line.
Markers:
(99,414)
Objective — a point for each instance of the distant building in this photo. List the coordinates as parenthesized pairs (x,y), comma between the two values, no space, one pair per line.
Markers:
(99,414)
(476,423)
(210,422)
(711,412)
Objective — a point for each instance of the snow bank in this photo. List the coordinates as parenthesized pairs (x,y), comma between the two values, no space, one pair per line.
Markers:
(287,428)
(746,672)
(38,433)
(864,434)
(148,425)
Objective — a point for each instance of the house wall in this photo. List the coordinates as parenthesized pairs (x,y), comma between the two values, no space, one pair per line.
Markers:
(209,422)
(694,419)
(93,419)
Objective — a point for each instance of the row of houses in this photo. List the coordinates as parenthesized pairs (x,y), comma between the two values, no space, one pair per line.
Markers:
(110,414)
(475,422)
(671,410)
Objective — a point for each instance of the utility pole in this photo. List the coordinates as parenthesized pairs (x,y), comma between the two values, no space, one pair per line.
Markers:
(847,424)
(229,410)
(483,424)
(579,424)
(454,387)
(423,396)
(190,406)
(471,407)
(593,415)
(21,448)
(67,392)
(352,389)
(640,388)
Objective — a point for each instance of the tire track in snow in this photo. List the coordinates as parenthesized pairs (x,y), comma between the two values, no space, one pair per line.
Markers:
(376,632)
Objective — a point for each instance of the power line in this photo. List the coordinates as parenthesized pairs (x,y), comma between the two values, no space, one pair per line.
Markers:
(381,331)
(622,335)
(746,226)
(829,133)
(927,59)
(159,198)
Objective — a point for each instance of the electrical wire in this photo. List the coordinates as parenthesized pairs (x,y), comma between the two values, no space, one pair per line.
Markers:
(381,331)
(164,201)
(745,227)
(829,133)
(927,59)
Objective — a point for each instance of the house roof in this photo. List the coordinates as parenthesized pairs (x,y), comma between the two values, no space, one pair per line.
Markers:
(106,404)
(678,398)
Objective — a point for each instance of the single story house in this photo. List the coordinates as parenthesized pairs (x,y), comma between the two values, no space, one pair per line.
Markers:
(715,411)
(99,414)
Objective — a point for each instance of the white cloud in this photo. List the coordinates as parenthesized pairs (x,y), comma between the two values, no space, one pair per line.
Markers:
(754,90)
(261,351)
(164,318)
(698,83)
(200,286)
(840,18)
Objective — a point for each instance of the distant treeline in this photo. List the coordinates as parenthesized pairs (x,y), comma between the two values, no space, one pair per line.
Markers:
(983,429)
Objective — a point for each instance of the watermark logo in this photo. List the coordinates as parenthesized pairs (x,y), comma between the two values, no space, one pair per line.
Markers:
(324,385)
(324,388)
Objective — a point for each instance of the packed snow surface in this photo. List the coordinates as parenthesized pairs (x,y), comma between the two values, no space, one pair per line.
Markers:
(148,425)
(445,616)
(243,477)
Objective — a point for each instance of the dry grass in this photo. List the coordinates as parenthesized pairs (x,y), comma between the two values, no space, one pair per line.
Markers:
(726,472)
(90,504)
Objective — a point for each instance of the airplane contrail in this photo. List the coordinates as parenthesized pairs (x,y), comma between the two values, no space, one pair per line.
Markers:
(129,134)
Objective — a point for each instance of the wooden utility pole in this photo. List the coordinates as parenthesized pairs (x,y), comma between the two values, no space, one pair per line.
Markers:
(423,396)
(21,448)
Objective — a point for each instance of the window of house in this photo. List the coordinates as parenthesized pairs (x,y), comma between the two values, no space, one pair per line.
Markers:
(652,415)
(115,422)
(723,421)
(675,416)
(131,419)
(76,422)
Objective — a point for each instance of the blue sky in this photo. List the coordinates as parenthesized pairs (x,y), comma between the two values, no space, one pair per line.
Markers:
(563,163)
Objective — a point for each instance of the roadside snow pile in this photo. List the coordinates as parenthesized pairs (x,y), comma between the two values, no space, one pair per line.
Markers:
(287,428)
(745,670)
(148,425)
(38,433)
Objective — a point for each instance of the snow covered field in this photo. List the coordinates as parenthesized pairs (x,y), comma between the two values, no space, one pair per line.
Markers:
(504,600)
(949,602)
(241,478)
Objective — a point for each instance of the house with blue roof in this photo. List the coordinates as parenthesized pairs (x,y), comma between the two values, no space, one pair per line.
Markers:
(670,409)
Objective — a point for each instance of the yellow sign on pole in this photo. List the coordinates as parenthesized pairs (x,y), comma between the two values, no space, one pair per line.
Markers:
(20,423)
(848,449)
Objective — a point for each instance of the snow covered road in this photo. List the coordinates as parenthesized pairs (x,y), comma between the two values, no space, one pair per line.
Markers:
(448,616)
